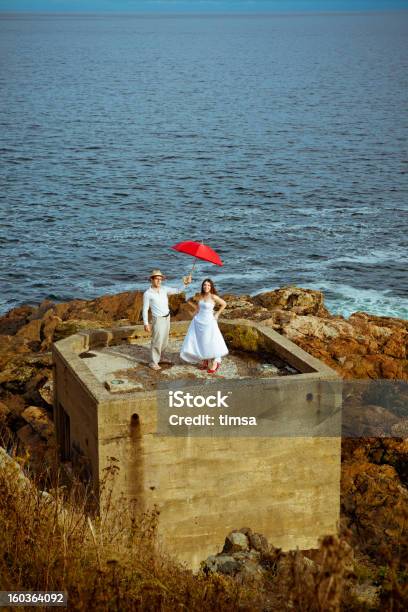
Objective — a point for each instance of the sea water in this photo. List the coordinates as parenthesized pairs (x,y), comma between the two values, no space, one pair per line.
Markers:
(279,140)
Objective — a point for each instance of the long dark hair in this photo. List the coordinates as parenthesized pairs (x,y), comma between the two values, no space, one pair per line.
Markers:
(212,290)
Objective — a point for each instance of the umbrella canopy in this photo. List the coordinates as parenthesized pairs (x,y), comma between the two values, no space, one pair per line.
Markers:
(198,250)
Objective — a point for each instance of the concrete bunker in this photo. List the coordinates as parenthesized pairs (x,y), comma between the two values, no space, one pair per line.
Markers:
(285,486)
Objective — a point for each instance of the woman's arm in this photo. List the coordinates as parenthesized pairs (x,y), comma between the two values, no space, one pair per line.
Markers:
(221,303)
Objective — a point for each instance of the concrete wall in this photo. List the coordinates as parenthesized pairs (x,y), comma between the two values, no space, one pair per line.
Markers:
(73,396)
(285,487)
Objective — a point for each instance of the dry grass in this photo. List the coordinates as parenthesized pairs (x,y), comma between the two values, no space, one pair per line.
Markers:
(105,562)
(111,561)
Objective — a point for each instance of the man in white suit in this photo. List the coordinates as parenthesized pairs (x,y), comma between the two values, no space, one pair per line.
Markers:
(156,299)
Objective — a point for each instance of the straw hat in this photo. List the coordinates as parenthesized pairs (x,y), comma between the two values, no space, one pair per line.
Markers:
(157,273)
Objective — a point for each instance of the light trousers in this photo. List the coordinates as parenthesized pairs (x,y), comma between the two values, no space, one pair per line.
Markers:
(160,337)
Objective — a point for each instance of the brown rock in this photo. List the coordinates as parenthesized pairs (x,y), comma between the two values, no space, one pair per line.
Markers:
(280,317)
(48,315)
(317,327)
(379,320)
(366,420)
(400,429)
(4,412)
(32,331)
(271,322)
(242,307)
(246,530)
(16,374)
(134,312)
(108,308)
(374,497)
(392,368)
(70,327)
(10,347)
(11,322)
(15,403)
(254,313)
(237,301)
(39,359)
(46,392)
(39,421)
(38,379)
(32,441)
(50,326)
(396,346)
(259,542)
(62,309)
(298,300)
(119,306)
(185,312)
(235,541)
(175,302)
(43,308)
(357,351)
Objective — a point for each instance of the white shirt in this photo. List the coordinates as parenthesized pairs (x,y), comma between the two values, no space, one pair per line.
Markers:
(157,301)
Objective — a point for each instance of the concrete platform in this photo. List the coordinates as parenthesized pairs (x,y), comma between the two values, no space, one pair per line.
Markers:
(124,367)
(108,405)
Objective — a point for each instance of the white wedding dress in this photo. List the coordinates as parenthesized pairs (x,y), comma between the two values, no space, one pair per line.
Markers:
(203,339)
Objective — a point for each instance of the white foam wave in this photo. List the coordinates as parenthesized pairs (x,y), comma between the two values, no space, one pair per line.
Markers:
(344,300)
(377,256)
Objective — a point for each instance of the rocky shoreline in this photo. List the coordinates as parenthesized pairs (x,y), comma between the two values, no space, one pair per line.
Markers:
(362,347)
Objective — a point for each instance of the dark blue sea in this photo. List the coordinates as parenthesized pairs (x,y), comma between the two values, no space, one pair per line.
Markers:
(280,140)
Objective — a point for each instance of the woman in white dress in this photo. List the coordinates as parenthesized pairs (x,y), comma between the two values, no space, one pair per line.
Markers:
(204,341)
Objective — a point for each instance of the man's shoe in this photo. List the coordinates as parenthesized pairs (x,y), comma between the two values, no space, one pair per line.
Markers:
(166,361)
(154,366)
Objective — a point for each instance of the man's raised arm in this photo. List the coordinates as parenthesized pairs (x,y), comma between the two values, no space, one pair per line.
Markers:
(146,304)
(186,281)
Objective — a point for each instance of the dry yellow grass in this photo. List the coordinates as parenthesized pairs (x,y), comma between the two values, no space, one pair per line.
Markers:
(105,562)
(111,561)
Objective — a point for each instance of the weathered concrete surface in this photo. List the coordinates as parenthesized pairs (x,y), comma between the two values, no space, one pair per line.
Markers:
(286,488)
(130,362)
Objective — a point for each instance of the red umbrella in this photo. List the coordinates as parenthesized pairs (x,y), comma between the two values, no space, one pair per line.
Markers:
(199,251)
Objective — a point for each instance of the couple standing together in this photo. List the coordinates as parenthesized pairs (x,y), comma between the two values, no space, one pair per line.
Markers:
(203,342)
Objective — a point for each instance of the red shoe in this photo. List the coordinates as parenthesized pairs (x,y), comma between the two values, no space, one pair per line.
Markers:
(204,364)
(215,369)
